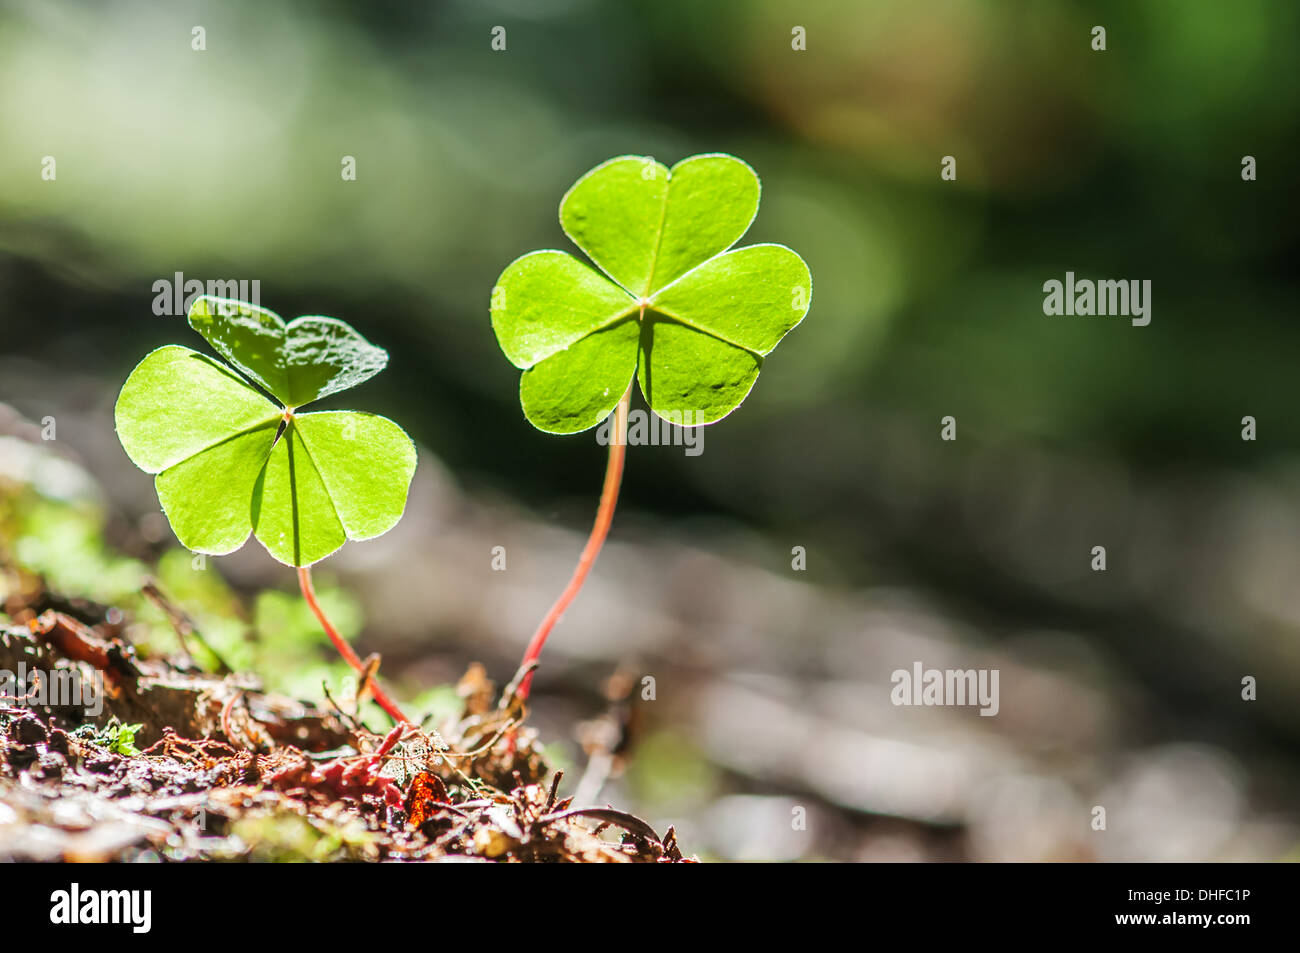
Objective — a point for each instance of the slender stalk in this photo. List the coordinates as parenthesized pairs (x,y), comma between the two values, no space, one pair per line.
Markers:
(604,516)
(349,656)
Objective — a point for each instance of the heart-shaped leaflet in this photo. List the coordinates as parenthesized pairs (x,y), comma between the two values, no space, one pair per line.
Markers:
(298,362)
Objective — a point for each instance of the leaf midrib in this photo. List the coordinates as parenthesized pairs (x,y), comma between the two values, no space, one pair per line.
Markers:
(659,238)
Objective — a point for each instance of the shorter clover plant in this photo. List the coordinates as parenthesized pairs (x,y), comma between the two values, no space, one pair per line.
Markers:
(670,306)
(231,460)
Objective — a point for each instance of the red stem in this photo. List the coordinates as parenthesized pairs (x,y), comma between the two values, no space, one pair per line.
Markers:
(349,656)
(604,516)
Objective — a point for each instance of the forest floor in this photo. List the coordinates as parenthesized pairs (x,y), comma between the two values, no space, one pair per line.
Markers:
(109,755)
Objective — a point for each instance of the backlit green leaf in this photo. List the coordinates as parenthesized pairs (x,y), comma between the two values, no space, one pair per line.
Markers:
(690,378)
(223,472)
(646,225)
(308,358)
(577,388)
(206,434)
(331,477)
(750,297)
(547,300)
(207,497)
(614,213)
(178,403)
(692,320)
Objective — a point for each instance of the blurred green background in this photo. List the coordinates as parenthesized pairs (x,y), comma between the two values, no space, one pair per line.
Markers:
(773,685)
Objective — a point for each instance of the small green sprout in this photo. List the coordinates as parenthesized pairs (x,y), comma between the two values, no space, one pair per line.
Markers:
(120,738)
(231,460)
(691,320)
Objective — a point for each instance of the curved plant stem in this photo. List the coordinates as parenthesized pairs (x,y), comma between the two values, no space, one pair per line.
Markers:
(349,656)
(604,516)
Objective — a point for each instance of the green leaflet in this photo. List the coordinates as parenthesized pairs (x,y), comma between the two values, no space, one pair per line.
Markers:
(211,438)
(671,352)
(645,225)
(750,297)
(706,316)
(177,403)
(304,360)
(331,477)
(206,497)
(532,324)
(582,383)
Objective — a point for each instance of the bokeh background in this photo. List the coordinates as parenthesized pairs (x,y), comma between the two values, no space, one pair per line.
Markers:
(1119,688)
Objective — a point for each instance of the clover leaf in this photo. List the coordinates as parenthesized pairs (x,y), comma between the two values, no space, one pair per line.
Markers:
(230,462)
(304,360)
(690,319)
